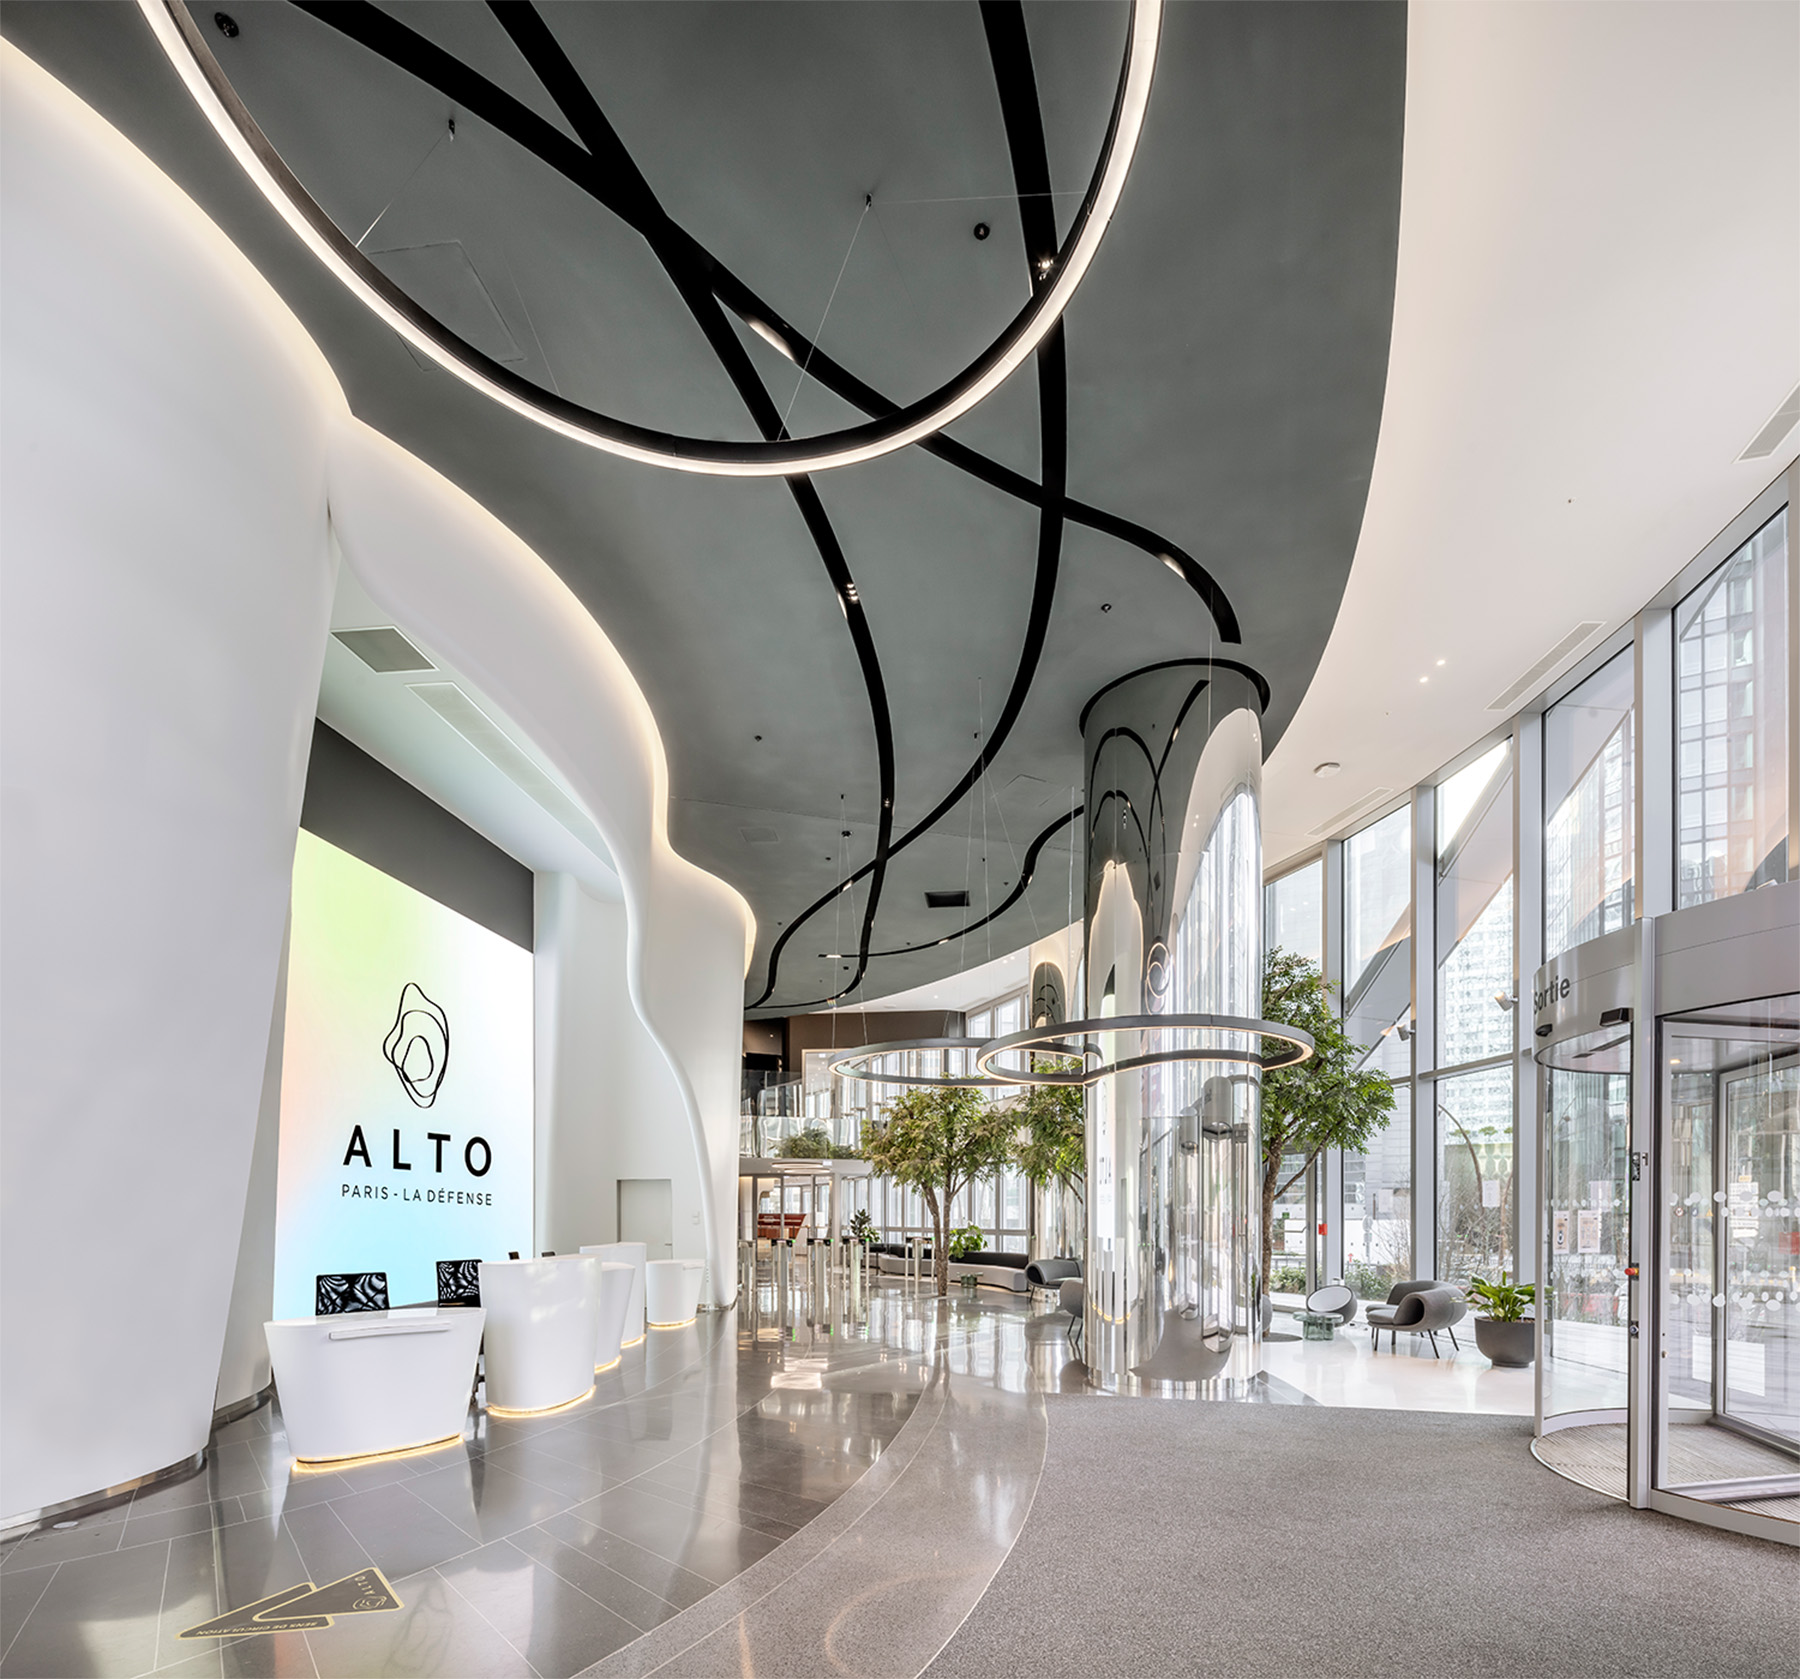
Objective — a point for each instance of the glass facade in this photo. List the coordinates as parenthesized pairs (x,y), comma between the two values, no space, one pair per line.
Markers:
(1711,663)
(1294,912)
(1590,808)
(1731,699)
(1475,910)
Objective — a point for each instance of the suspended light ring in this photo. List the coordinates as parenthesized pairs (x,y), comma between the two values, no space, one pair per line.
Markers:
(1055,1040)
(182,40)
(842,1064)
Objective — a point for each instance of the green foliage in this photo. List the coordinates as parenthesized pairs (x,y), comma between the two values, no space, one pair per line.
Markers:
(1052,1145)
(1503,1302)
(814,1143)
(964,1241)
(938,1140)
(862,1226)
(1288,1279)
(1324,1102)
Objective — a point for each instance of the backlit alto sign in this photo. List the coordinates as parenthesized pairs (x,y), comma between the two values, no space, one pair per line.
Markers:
(417,1047)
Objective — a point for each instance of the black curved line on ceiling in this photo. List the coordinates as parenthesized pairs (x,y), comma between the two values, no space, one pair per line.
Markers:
(624,191)
(1010,49)
(1256,679)
(551,65)
(383,35)
(1027,870)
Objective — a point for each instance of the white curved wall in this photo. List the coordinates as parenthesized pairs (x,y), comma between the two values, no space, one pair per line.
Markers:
(171,441)
(162,621)
(447,569)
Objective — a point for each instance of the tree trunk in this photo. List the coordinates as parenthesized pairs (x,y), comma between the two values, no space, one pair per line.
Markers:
(940,1260)
(1271,1173)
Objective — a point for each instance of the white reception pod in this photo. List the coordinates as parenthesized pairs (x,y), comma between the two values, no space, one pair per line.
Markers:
(367,1382)
(542,1325)
(672,1290)
(616,1284)
(636,1255)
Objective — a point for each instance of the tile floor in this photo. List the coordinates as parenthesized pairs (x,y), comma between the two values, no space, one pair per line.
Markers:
(535,1546)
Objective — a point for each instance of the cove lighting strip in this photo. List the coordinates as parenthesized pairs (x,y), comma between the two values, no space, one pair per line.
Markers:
(180,38)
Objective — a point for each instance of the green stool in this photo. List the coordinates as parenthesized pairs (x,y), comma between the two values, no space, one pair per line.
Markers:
(1319,1326)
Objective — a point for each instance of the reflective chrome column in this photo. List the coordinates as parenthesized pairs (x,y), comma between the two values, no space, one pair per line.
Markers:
(1174,925)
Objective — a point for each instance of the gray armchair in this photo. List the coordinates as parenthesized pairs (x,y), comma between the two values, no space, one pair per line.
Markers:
(1048,1273)
(1418,1308)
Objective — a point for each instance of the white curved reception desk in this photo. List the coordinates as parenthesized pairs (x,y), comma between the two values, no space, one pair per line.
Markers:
(616,1283)
(672,1291)
(542,1326)
(636,1255)
(367,1382)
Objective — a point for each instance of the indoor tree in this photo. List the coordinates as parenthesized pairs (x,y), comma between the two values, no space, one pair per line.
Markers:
(1324,1102)
(1052,1138)
(939,1140)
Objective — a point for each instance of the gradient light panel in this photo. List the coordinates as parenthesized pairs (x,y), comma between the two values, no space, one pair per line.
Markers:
(359,940)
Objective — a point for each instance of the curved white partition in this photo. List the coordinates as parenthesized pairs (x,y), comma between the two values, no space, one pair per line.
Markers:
(542,1317)
(637,1256)
(615,1298)
(672,1291)
(367,1382)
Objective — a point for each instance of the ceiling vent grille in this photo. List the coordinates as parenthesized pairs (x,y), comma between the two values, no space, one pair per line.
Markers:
(500,750)
(1781,422)
(1539,673)
(1367,802)
(760,836)
(384,649)
(947,900)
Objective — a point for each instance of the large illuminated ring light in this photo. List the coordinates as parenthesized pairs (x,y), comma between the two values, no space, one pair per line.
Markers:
(180,37)
(1066,1040)
(846,1064)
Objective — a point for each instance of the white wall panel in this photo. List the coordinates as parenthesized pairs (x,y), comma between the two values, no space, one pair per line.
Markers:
(163,610)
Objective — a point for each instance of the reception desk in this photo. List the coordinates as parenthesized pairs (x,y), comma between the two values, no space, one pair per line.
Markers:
(368,1382)
(672,1291)
(616,1284)
(636,1255)
(542,1330)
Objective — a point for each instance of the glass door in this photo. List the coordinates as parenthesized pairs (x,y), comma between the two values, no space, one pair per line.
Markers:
(1728,1426)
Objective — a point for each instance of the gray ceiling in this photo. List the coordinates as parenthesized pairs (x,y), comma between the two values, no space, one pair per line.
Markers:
(1226,357)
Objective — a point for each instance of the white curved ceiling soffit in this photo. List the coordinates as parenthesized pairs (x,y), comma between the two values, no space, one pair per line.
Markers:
(878,675)
(1596,311)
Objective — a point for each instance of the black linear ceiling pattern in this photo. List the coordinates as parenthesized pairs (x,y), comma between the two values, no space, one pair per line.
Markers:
(1214,401)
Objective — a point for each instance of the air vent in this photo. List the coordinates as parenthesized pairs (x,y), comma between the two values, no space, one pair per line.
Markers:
(1768,440)
(500,750)
(947,900)
(760,836)
(1350,812)
(1533,679)
(384,649)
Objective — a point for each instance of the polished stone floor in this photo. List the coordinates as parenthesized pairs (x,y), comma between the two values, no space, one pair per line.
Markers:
(535,1546)
(778,1491)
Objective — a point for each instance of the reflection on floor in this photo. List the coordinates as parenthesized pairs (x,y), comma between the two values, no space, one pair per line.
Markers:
(536,1545)
(1594,1455)
(780,1491)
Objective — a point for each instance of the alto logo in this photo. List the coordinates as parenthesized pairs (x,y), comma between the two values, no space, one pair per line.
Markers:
(417,1046)
(1554,992)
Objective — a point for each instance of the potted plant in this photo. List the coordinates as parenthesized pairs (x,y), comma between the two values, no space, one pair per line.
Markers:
(1503,1331)
(962,1243)
(862,1227)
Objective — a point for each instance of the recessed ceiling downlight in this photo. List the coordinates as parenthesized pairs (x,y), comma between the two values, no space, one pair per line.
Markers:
(188,51)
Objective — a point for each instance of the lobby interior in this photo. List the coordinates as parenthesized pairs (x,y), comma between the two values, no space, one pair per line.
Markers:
(899,839)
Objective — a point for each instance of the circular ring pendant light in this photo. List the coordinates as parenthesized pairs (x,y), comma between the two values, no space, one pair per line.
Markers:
(1074,1038)
(844,1064)
(181,39)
